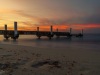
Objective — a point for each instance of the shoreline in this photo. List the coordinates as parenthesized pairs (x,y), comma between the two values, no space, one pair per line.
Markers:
(27,60)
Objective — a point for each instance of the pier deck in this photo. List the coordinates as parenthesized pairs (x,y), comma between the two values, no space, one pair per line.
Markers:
(14,34)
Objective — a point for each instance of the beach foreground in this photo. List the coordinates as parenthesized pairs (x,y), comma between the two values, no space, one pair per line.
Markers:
(24,60)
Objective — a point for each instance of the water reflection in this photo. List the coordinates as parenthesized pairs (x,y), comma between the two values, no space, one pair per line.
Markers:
(14,41)
(5,40)
(62,42)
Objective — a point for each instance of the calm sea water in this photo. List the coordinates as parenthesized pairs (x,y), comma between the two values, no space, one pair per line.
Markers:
(91,41)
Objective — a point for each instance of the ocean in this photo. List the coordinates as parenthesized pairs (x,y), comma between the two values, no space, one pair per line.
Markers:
(91,41)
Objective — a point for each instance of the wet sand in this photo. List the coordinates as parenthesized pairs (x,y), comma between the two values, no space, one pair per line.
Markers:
(24,60)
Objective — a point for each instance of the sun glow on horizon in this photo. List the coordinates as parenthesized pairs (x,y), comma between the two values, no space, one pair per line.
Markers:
(62,14)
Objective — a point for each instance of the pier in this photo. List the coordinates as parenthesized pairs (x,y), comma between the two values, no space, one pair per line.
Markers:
(14,34)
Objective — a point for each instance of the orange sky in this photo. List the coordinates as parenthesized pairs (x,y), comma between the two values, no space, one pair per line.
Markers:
(62,14)
(28,22)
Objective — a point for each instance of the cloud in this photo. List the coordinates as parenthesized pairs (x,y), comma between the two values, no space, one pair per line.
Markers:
(88,22)
(78,23)
(91,19)
(94,19)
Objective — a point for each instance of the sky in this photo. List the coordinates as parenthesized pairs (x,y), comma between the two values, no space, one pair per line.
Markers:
(62,14)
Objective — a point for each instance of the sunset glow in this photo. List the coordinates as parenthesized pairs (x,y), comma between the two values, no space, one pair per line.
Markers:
(62,14)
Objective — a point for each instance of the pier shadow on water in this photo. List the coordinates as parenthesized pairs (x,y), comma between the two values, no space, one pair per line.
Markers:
(10,41)
(5,40)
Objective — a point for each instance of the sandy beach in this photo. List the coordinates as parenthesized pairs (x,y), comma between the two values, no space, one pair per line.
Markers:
(25,60)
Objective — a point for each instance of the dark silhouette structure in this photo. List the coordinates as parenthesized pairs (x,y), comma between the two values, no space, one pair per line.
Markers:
(14,34)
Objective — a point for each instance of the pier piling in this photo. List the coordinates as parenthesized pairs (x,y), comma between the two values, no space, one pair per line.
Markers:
(5,27)
(51,30)
(38,34)
(15,34)
(57,33)
(70,30)
(82,31)
(37,29)
(57,29)
(15,29)
(6,35)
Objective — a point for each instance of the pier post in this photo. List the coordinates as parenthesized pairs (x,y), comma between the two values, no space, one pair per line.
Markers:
(57,29)
(15,35)
(38,34)
(70,30)
(57,34)
(15,29)
(6,35)
(37,29)
(5,27)
(82,31)
(51,30)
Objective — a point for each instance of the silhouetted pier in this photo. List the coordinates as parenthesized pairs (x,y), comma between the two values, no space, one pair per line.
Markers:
(14,34)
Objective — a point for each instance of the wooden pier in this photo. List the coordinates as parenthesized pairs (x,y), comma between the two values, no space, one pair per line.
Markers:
(14,34)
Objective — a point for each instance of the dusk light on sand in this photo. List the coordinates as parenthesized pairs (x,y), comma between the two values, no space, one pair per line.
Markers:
(49,37)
